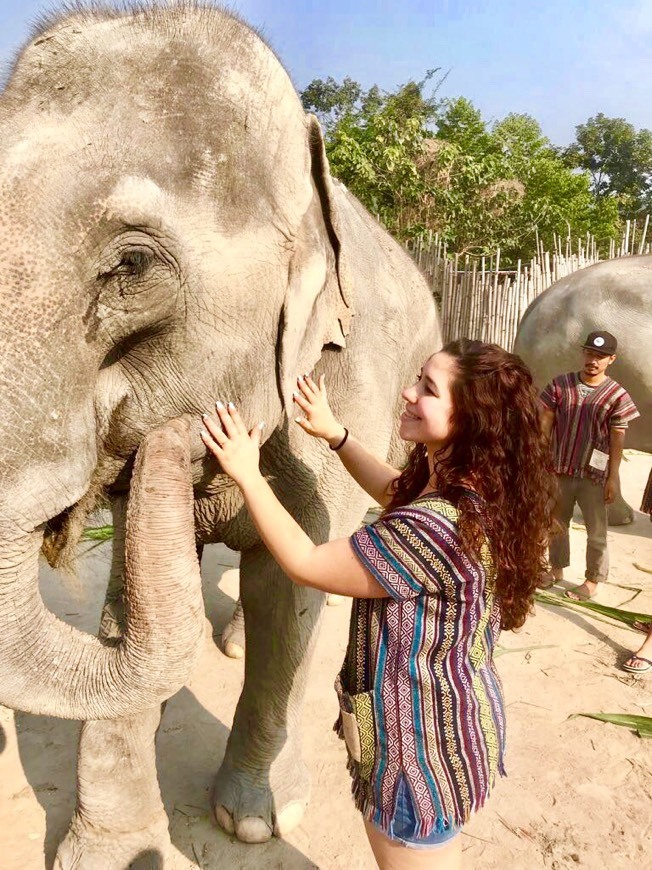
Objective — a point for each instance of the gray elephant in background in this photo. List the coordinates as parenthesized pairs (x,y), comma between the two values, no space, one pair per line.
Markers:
(615,295)
(170,236)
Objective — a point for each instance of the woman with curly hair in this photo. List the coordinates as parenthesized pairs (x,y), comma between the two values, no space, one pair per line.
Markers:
(454,558)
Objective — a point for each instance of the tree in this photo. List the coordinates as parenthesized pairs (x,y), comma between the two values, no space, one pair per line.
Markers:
(507,185)
(331,101)
(459,122)
(619,159)
(557,200)
(373,141)
(423,164)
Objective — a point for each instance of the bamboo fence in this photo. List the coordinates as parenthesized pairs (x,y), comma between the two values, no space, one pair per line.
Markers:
(477,299)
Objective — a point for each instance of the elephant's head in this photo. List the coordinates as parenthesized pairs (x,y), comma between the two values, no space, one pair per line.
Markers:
(168,236)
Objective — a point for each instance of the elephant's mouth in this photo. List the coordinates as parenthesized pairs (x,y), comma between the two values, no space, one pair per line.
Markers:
(64,531)
(56,534)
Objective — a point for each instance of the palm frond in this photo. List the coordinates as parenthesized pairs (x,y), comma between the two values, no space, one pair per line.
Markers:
(627,617)
(97,533)
(641,724)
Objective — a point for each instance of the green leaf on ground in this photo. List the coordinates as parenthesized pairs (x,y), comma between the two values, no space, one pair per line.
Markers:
(97,533)
(627,617)
(641,724)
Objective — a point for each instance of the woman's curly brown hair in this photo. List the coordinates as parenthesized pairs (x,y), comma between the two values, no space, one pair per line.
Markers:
(496,443)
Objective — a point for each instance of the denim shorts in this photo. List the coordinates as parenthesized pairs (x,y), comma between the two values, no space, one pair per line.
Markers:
(404,824)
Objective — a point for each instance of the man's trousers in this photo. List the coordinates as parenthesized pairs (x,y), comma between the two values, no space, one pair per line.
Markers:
(590,498)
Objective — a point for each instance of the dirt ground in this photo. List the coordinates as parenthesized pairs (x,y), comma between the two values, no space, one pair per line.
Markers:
(578,792)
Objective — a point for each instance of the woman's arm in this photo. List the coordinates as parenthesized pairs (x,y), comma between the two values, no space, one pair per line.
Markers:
(331,567)
(368,471)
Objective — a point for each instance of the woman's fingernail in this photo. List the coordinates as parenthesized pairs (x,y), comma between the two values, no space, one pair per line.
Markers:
(261,425)
(297,419)
(219,405)
(203,433)
(231,405)
(204,416)
(295,395)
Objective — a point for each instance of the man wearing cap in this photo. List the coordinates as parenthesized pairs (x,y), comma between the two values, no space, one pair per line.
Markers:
(587,413)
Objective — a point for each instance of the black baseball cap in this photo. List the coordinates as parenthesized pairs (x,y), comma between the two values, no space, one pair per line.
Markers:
(601,342)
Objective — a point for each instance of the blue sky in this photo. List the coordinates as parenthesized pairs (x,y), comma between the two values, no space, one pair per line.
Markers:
(560,61)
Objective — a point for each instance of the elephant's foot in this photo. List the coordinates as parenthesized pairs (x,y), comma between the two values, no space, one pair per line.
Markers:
(89,848)
(620,513)
(247,805)
(233,636)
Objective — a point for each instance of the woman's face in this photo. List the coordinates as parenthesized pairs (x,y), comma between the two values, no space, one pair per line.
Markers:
(427,417)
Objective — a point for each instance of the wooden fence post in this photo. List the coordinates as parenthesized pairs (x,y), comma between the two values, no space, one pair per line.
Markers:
(474,302)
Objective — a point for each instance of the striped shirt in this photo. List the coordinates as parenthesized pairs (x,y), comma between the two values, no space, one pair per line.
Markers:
(583,422)
(419,673)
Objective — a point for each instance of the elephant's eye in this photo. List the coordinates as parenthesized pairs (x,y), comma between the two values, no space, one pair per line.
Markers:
(133,262)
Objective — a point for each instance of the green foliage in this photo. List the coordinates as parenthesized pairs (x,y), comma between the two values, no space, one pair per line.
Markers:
(641,724)
(504,186)
(461,124)
(330,101)
(592,608)
(97,533)
(556,200)
(619,160)
(423,164)
(374,140)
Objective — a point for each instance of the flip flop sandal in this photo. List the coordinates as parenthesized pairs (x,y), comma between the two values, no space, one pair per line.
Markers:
(646,667)
(546,580)
(576,595)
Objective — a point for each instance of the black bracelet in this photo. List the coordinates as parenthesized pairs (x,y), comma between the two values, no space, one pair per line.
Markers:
(342,442)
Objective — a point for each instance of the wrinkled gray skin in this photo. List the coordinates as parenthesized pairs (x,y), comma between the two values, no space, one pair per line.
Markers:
(170,235)
(617,296)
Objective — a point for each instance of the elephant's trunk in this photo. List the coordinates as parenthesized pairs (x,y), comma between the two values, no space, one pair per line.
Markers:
(48,667)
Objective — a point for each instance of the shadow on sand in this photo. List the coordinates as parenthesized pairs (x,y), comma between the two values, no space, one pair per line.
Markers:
(190,746)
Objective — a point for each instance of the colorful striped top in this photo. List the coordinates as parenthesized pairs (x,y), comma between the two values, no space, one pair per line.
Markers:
(583,420)
(419,676)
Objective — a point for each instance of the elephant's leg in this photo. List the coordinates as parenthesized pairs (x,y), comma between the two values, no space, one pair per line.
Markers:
(119,819)
(619,513)
(233,636)
(263,785)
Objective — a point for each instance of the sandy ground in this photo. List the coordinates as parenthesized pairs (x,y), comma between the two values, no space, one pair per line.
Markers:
(578,793)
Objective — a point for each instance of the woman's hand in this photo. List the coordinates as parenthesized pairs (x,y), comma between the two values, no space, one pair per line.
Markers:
(237,450)
(319,420)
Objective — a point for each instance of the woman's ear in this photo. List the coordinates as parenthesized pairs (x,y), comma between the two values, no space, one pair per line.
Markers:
(316,310)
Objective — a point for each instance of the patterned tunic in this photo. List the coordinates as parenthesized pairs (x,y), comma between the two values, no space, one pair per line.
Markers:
(583,422)
(418,673)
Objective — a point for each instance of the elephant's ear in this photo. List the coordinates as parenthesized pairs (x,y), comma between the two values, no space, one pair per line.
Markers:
(316,310)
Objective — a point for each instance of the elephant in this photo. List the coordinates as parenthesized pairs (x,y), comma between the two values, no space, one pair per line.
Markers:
(615,295)
(171,235)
